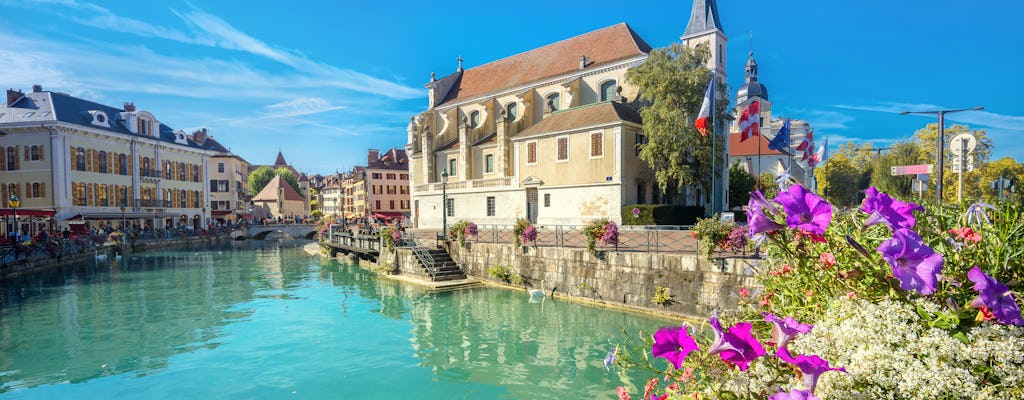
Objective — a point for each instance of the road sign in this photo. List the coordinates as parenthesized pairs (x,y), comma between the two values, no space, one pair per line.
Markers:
(962,143)
(958,168)
(912,169)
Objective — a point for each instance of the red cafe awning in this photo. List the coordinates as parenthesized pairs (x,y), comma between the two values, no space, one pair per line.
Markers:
(220,212)
(6,212)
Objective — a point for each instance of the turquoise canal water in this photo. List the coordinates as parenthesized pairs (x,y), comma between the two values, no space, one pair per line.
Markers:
(252,323)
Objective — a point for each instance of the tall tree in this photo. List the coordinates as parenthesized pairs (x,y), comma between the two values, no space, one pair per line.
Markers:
(672,82)
(262,175)
(741,183)
(259,178)
(900,153)
(839,181)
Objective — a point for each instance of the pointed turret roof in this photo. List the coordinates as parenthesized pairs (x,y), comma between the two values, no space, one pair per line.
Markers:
(269,192)
(280,160)
(703,18)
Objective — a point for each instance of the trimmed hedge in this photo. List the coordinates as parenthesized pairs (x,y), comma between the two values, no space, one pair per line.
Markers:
(662,214)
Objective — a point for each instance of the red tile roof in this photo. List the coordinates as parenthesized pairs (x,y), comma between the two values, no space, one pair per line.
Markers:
(580,117)
(269,192)
(614,43)
(749,147)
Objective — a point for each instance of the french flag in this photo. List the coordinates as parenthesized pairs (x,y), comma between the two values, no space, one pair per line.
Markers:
(705,109)
(750,121)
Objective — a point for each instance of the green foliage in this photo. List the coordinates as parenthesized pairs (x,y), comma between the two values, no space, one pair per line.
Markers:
(661,214)
(741,183)
(839,182)
(388,235)
(711,235)
(673,81)
(766,184)
(506,274)
(458,231)
(900,153)
(593,231)
(259,178)
(520,226)
(661,297)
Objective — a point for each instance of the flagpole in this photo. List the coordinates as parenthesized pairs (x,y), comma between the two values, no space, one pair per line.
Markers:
(714,147)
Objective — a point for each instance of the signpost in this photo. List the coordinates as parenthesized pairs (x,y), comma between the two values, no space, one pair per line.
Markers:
(962,145)
(912,169)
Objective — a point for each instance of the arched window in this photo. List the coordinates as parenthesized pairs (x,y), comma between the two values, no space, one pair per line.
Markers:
(122,164)
(80,159)
(511,111)
(608,90)
(103,161)
(474,119)
(37,153)
(553,102)
(37,190)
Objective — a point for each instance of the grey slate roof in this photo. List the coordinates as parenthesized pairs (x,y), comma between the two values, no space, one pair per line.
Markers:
(46,106)
(703,18)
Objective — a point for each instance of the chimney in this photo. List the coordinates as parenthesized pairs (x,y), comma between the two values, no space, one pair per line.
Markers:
(583,61)
(13,96)
(372,156)
(37,88)
(129,106)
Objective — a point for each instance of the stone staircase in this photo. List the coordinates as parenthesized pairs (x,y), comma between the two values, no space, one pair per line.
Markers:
(445,269)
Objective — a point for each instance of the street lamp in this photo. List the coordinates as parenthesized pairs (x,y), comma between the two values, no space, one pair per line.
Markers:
(940,143)
(14,201)
(444,204)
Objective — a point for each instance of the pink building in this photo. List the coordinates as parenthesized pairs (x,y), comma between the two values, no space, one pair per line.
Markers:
(387,184)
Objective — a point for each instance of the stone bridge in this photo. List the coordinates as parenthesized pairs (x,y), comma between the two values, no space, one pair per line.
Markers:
(260,232)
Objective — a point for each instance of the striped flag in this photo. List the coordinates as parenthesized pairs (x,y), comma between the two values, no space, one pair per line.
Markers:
(705,108)
(750,121)
(807,146)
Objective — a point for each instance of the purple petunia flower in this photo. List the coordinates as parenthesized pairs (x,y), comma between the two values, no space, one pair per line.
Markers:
(811,366)
(805,210)
(757,221)
(895,214)
(795,394)
(785,329)
(610,359)
(471,229)
(735,346)
(915,264)
(673,344)
(996,296)
(758,197)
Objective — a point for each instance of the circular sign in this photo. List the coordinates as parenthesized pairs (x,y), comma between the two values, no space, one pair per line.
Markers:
(962,143)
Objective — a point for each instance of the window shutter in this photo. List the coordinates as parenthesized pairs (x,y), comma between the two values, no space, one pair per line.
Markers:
(26,152)
(3,160)
(28,189)
(42,189)
(88,194)
(88,160)
(130,159)
(3,195)
(110,158)
(17,162)
(41,152)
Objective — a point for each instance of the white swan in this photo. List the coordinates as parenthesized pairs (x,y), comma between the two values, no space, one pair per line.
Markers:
(538,292)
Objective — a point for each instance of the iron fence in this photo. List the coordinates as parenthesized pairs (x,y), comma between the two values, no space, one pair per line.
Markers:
(654,239)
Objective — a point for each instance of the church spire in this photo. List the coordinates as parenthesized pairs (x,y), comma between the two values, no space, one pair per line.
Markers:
(751,70)
(280,160)
(703,18)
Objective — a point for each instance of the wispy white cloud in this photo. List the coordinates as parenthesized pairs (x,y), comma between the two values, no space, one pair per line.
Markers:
(826,119)
(209,30)
(299,107)
(982,118)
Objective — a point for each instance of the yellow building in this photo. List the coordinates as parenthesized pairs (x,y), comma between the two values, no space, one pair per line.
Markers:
(93,166)
(229,188)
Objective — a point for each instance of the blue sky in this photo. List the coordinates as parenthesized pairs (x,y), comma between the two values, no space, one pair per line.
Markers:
(325,80)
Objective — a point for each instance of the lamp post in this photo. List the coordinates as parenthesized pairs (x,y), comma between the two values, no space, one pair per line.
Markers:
(14,201)
(940,143)
(444,204)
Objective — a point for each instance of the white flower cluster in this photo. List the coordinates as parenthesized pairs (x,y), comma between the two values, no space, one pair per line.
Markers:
(890,353)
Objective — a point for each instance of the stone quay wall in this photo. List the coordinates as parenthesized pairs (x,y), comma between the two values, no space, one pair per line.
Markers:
(627,279)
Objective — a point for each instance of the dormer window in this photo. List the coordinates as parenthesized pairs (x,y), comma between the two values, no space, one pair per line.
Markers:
(608,90)
(553,102)
(99,118)
(145,127)
(474,119)
(511,111)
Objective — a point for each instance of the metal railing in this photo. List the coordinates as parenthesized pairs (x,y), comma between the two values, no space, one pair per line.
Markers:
(651,239)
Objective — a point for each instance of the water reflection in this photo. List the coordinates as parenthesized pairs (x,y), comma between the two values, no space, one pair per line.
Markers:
(104,319)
